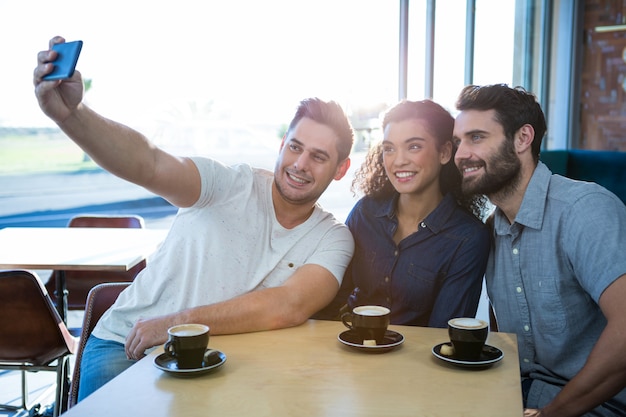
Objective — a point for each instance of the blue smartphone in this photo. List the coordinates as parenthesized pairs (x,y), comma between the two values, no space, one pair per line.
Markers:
(67,58)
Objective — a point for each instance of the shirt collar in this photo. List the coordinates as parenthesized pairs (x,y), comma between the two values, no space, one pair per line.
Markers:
(435,221)
(532,209)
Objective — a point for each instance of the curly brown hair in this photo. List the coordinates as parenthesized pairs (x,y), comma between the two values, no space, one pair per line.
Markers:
(371,178)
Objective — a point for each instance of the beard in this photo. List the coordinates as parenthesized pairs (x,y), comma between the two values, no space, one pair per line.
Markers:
(502,173)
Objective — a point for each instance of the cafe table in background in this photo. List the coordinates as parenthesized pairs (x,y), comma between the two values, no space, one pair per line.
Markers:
(307,371)
(76,248)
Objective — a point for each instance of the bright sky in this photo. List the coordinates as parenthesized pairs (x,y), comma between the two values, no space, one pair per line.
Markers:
(255,59)
(259,56)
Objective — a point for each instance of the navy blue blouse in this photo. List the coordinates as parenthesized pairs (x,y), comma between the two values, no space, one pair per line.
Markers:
(433,275)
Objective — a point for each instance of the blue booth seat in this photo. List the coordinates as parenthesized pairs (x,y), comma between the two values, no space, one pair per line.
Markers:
(607,168)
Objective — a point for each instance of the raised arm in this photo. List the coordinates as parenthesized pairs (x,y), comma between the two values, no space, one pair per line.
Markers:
(117,148)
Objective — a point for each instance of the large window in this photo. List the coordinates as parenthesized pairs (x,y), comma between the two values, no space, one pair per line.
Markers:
(493,47)
(159,64)
(201,77)
(223,77)
(155,63)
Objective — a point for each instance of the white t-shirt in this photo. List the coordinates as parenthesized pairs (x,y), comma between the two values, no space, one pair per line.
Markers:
(227,244)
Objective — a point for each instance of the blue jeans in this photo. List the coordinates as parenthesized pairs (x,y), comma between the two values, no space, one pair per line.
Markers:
(102,361)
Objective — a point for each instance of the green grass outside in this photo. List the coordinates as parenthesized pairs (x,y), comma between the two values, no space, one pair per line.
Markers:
(39,153)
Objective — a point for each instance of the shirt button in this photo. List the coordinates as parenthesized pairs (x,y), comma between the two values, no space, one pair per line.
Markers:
(386,279)
(526,327)
(422,225)
(518,289)
(515,251)
(526,360)
(395,253)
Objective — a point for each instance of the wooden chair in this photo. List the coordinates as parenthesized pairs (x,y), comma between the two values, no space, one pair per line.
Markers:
(78,283)
(99,299)
(33,337)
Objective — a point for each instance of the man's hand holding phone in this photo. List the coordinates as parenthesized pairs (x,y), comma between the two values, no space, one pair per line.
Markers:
(57,88)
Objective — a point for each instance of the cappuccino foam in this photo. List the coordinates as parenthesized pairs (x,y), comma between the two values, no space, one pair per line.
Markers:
(371,311)
(187,330)
(467,323)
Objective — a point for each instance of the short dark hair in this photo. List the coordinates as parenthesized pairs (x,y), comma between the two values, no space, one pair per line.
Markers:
(514,107)
(331,114)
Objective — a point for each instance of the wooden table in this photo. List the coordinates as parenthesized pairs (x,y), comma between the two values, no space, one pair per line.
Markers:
(76,248)
(306,371)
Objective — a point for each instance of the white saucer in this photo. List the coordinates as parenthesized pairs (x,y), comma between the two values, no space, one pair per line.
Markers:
(167,363)
(488,357)
(352,339)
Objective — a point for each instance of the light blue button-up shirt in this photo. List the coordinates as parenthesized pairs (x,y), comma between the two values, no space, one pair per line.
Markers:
(548,269)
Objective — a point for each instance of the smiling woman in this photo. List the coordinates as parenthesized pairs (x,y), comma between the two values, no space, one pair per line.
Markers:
(420,248)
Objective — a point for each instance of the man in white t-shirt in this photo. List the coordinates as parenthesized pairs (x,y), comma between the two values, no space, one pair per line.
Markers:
(249,250)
